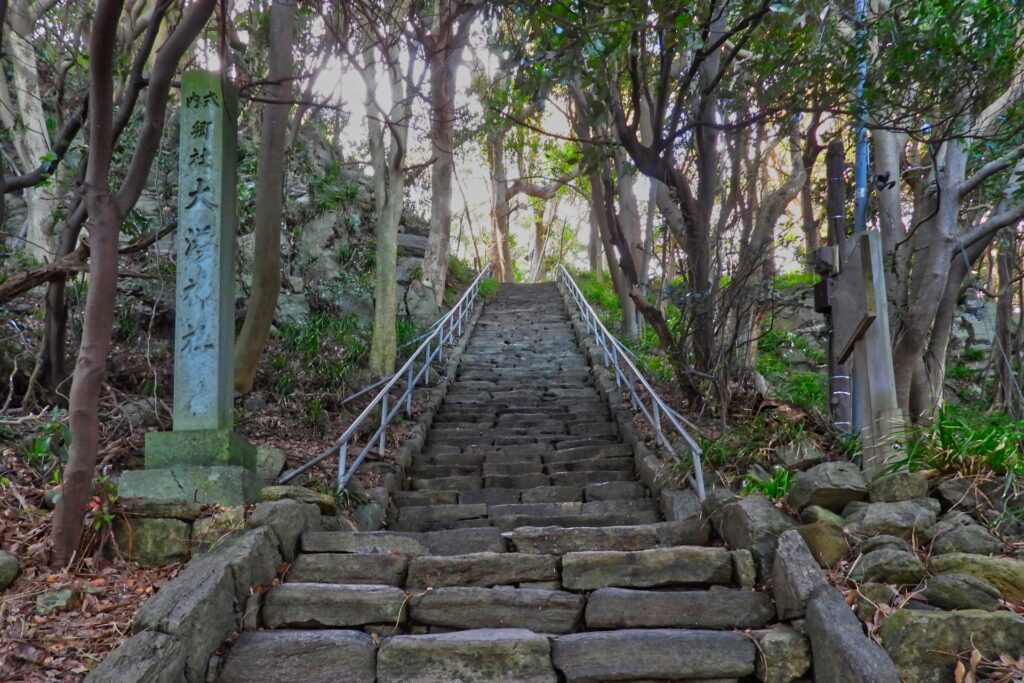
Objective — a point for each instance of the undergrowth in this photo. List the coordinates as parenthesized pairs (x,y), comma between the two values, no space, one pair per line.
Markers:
(965,442)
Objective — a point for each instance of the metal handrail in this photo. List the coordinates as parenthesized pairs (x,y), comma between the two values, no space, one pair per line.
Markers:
(445,331)
(617,357)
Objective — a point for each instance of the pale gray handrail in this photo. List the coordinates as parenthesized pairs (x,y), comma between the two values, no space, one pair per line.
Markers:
(446,330)
(617,358)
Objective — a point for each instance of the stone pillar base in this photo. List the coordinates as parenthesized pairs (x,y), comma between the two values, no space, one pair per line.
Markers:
(198,447)
(224,485)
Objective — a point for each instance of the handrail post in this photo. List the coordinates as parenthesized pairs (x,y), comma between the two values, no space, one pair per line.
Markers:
(342,464)
(383,424)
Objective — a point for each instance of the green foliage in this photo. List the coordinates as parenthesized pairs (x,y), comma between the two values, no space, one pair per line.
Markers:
(795,278)
(489,287)
(777,487)
(51,440)
(755,437)
(330,347)
(959,441)
(331,191)
(959,371)
(974,354)
(805,389)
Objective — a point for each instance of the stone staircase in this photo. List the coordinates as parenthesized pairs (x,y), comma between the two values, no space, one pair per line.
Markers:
(524,549)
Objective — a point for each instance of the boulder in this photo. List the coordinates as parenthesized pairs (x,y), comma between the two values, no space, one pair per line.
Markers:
(957,532)
(1005,573)
(208,530)
(752,523)
(679,506)
(892,488)
(795,576)
(961,591)
(816,513)
(798,455)
(153,541)
(309,656)
(889,565)
(288,519)
(923,644)
(326,502)
(904,519)
(9,569)
(744,571)
(841,653)
(832,485)
(826,542)
(783,654)
(871,596)
(270,461)
(883,541)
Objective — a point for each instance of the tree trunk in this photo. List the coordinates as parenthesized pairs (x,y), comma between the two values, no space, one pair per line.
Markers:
(501,250)
(269,204)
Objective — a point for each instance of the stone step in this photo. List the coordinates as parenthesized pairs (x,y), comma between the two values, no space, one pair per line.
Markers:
(326,605)
(595,519)
(590,477)
(675,566)
(351,568)
(431,517)
(713,609)
(640,654)
(292,655)
(540,610)
(494,655)
(449,542)
(482,570)
(614,490)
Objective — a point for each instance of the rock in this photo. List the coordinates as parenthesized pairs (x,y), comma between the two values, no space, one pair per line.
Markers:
(884,541)
(371,568)
(411,245)
(141,412)
(904,519)
(816,513)
(288,519)
(557,540)
(199,605)
(889,565)
(153,541)
(208,530)
(826,542)
(685,565)
(324,605)
(541,610)
(9,569)
(961,591)
(270,461)
(795,576)
(255,402)
(840,651)
(957,532)
(56,601)
(832,485)
(506,655)
(184,510)
(324,501)
(481,569)
(1005,573)
(449,542)
(678,506)
(892,488)
(744,571)
(752,523)
(653,653)
(320,656)
(370,516)
(870,597)
(147,657)
(922,643)
(798,455)
(720,609)
(783,655)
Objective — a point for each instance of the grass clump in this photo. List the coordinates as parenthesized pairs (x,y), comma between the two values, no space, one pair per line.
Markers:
(776,487)
(489,287)
(967,444)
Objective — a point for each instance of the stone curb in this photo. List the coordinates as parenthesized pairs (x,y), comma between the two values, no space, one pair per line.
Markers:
(177,632)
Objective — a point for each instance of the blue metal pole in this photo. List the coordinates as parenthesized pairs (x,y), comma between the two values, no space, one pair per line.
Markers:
(863,158)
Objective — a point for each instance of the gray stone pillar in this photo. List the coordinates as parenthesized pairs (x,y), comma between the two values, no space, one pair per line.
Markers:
(202,459)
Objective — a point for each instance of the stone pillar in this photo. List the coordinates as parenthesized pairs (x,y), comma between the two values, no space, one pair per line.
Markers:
(202,459)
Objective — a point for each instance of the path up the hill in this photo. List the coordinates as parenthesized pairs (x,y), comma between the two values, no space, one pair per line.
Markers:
(523,550)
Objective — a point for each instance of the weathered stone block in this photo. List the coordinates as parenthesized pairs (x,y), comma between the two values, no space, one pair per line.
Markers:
(653,653)
(783,654)
(224,485)
(898,486)
(685,565)
(961,591)
(840,651)
(374,568)
(921,643)
(481,569)
(296,655)
(497,655)
(722,609)
(305,605)
(831,485)
(153,541)
(1005,573)
(795,576)
(752,523)
(288,519)
(208,530)
(540,610)
(147,657)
